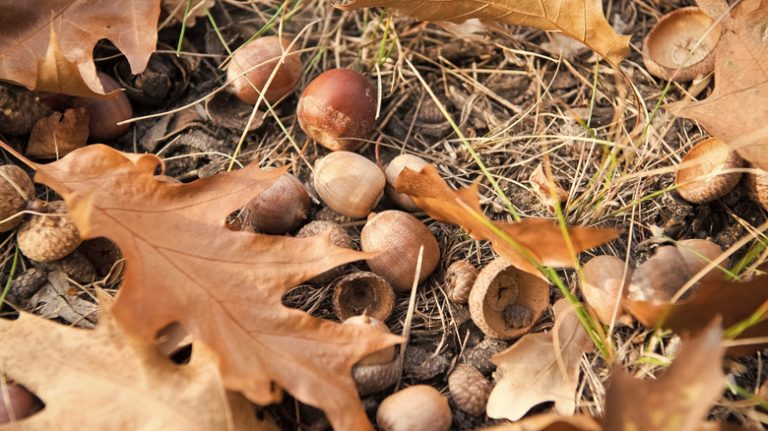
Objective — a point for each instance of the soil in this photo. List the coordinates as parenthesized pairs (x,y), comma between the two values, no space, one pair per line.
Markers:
(510,97)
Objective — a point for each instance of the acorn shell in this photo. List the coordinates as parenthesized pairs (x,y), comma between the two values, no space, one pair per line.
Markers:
(279,209)
(349,183)
(252,65)
(16,189)
(697,177)
(681,45)
(757,186)
(338,109)
(500,292)
(363,292)
(393,170)
(604,285)
(398,236)
(49,237)
(339,237)
(469,389)
(418,407)
(459,278)
(661,276)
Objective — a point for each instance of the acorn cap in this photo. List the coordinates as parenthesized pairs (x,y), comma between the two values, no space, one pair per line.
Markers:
(681,45)
(16,189)
(459,278)
(393,170)
(49,237)
(605,284)
(757,186)
(505,302)
(698,179)
(469,389)
(374,378)
(363,292)
(418,407)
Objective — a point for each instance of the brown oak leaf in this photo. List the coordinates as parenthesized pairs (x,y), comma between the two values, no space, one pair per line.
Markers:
(107,379)
(47,45)
(541,367)
(582,20)
(737,109)
(541,239)
(224,287)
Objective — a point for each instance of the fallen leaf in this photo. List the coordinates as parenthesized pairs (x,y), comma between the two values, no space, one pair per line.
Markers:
(54,301)
(542,239)
(737,111)
(197,9)
(47,45)
(551,422)
(732,301)
(58,134)
(224,287)
(107,379)
(680,399)
(582,20)
(541,367)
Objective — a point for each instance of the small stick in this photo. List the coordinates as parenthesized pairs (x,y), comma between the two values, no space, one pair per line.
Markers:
(409,315)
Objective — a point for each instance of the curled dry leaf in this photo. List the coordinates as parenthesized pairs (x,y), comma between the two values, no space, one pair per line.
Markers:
(224,287)
(541,367)
(542,239)
(48,44)
(741,80)
(582,20)
(680,399)
(733,301)
(68,368)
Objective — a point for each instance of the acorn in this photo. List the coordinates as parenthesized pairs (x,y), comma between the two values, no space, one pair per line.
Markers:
(505,302)
(349,183)
(469,389)
(661,276)
(16,189)
(757,187)
(681,45)
(699,178)
(418,407)
(104,114)
(22,402)
(363,293)
(604,285)
(279,209)
(393,170)
(380,369)
(338,109)
(339,237)
(398,236)
(252,65)
(459,278)
(49,237)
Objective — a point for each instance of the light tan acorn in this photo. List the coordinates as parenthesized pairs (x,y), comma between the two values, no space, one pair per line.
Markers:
(418,407)
(16,189)
(51,236)
(393,170)
(349,183)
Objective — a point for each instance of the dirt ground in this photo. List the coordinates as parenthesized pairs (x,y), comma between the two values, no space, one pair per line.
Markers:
(519,95)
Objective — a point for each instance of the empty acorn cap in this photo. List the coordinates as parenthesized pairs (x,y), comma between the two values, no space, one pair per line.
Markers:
(505,302)
(469,389)
(459,278)
(51,236)
(363,292)
(393,170)
(681,45)
(418,407)
(757,185)
(605,283)
(698,176)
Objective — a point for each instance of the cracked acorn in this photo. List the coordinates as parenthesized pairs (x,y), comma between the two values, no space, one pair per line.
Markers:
(418,407)
(338,109)
(379,370)
(505,302)
(398,237)
(253,64)
(16,189)
(349,183)
(50,236)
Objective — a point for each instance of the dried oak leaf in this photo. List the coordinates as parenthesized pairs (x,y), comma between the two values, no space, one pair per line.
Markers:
(47,45)
(737,109)
(223,286)
(541,367)
(58,134)
(541,239)
(680,399)
(733,301)
(582,20)
(133,385)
